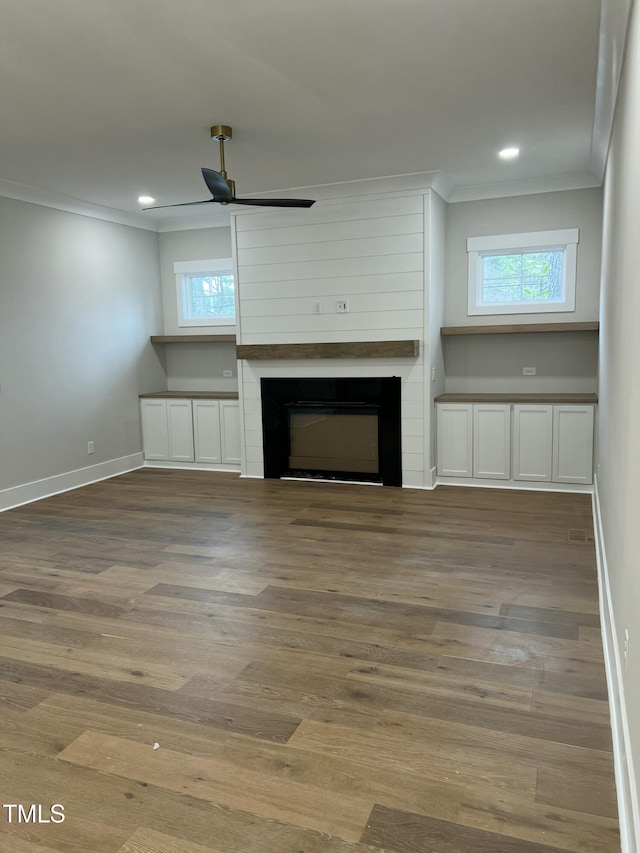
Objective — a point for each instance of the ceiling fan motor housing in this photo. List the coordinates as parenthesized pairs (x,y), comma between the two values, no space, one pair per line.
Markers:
(221,132)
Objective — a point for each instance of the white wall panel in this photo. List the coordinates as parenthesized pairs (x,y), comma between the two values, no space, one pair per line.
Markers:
(321,232)
(365,247)
(358,303)
(412,443)
(331,268)
(313,322)
(340,285)
(412,461)
(412,426)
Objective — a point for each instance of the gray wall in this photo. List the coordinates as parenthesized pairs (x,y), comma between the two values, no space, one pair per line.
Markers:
(569,209)
(79,298)
(564,363)
(194,367)
(618,461)
(199,244)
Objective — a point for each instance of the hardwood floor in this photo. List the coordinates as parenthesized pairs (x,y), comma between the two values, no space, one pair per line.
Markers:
(194,663)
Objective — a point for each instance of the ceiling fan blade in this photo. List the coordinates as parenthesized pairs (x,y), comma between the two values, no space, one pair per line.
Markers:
(184,204)
(274,202)
(217,185)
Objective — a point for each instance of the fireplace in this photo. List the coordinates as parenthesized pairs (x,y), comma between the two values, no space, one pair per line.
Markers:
(336,429)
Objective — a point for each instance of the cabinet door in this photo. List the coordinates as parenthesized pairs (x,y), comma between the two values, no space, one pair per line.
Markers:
(206,430)
(492,441)
(180,423)
(155,429)
(532,441)
(454,439)
(573,444)
(230,431)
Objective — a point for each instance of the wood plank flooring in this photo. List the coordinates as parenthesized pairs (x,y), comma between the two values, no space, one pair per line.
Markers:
(194,663)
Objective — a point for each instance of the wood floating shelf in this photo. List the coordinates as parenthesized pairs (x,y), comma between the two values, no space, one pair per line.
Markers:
(518,398)
(345,349)
(520,328)
(190,395)
(192,339)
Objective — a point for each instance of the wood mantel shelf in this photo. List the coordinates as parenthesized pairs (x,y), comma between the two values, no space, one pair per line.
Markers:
(192,339)
(520,328)
(338,349)
(578,399)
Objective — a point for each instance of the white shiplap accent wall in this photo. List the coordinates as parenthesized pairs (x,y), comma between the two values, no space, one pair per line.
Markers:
(369,249)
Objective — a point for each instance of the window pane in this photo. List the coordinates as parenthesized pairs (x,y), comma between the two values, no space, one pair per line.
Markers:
(209,296)
(522,277)
(502,266)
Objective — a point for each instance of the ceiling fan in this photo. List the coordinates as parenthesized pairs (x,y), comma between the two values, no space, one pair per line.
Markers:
(223,189)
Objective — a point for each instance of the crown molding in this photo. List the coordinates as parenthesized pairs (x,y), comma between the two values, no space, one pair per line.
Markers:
(531,186)
(20,192)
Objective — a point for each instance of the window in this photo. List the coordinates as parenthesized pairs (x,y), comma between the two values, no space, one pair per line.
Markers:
(206,292)
(523,273)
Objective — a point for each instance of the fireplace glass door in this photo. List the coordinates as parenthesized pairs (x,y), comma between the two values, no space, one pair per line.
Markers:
(334,441)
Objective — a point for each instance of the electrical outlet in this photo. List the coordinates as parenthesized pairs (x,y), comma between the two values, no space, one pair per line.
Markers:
(433,374)
(227,374)
(528,371)
(90,448)
(342,306)
(625,653)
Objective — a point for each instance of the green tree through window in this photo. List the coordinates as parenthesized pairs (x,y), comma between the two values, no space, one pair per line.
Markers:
(522,277)
(211,296)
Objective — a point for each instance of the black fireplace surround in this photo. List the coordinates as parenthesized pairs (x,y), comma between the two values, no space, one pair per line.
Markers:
(284,398)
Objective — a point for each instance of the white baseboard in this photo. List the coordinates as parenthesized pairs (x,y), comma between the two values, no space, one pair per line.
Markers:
(627,790)
(193,466)
(38,489)
(520,485)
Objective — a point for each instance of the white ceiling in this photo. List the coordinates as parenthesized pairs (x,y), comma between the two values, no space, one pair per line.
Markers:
(102,100)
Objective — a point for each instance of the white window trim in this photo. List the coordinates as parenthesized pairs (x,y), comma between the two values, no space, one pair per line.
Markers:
(182,269)
(566,239)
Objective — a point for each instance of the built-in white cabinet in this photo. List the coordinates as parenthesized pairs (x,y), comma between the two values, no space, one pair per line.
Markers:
(180,428)
(492,441)
(216,428)
(200,431)
(230,432)
(546,443)
(572,444)
(167,431)
(532,442)
(206,431)
(455,440)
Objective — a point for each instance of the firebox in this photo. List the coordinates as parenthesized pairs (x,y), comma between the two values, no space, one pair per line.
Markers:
(335,429)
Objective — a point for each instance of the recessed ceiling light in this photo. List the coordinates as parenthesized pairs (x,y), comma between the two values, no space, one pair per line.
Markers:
(145,199)
(508,153)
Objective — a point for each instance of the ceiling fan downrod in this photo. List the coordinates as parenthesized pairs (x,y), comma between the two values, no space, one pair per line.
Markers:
(222,132)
